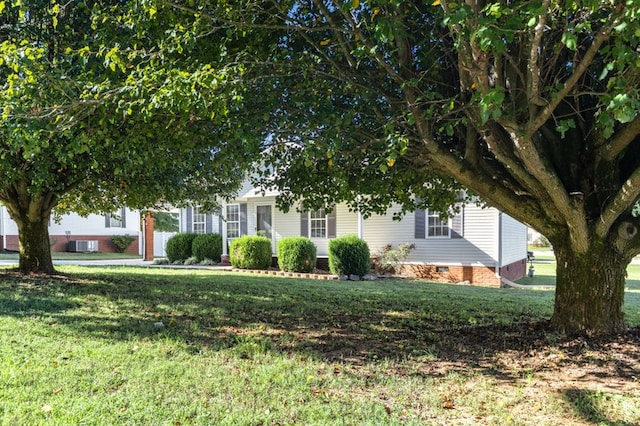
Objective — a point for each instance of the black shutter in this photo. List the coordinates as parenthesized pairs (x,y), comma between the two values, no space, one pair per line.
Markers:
(331,224)
(420,224)
(243,219)
(304,224)
(208,224)
(107,220)
(123,217)
(189,219)
(457,225)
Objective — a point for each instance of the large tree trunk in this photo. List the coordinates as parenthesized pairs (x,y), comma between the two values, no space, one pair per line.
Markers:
(590,291)
(35,249)
(32,213)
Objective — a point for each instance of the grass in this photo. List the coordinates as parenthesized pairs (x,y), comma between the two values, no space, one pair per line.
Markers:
(545,274)
(58,255)
(123,345)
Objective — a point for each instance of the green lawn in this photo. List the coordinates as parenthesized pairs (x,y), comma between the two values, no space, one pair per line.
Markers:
(141,346)
(76,256)
(545,274)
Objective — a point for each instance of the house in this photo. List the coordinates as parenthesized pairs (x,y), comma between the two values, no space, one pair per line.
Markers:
(479,245)
(77,233)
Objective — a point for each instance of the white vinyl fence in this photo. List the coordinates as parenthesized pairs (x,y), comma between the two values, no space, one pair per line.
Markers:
(160,243)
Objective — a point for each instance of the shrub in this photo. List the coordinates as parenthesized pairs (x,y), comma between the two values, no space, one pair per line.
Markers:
(122,242)
(296,254)
(179,247)
(349,255)
(207,246)
(191,261)
(250,252)
(388,259)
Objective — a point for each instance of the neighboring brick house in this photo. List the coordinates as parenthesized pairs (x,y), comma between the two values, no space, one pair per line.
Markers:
(480,245)
(74,232)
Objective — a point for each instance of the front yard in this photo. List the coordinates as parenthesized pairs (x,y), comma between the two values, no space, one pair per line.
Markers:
(153,346)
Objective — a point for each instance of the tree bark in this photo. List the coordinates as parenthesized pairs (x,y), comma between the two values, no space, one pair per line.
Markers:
(589,291)
(35,249)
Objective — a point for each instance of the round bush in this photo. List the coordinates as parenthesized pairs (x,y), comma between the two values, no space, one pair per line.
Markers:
(349,255)
(296,254)
(207,246)
(179,246)
(250,252)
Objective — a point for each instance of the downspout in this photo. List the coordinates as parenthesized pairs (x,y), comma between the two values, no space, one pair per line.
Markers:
(3,225)
(360,222)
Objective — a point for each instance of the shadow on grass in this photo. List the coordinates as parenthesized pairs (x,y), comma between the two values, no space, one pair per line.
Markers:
(595,407)
(460,327)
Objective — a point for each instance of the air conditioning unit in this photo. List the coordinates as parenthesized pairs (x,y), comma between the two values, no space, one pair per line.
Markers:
(83,245)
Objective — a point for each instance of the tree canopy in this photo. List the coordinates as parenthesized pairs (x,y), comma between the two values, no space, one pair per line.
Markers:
(109,103)
(531,105)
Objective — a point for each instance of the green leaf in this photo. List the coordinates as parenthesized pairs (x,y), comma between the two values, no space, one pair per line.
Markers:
(570,40)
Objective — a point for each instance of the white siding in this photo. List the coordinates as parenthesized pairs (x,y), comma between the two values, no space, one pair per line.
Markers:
(285,224)
(478,247)
(91,225)
(514,240)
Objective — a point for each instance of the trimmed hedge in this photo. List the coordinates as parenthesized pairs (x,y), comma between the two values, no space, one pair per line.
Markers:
(179,247)
(250,252)
(207,246)
(122,242)
(349,255)
(296,254)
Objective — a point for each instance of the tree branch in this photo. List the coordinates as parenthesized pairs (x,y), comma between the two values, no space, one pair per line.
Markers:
(581,67)
(533,69)
(621,140)
(619,204)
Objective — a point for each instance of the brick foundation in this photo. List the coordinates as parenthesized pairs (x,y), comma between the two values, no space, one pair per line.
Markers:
(515,270)
(476,275)
(60,242)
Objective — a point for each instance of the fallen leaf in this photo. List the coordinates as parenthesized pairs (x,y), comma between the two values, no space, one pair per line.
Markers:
(448,404)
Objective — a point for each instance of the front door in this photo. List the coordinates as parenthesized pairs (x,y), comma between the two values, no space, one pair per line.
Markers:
(264,221)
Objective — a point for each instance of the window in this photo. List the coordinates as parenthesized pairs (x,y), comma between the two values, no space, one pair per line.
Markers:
(198,221)
(233,221)
(436,227)
(318,224)
(116,219)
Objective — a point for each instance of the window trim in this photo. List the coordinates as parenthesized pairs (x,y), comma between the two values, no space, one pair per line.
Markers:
(316,220)
(203,222)
(121,222)
(436,215)
(238,221)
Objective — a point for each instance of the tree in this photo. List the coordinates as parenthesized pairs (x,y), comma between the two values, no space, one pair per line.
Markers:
(166,222)
(531,105)
(107,104)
